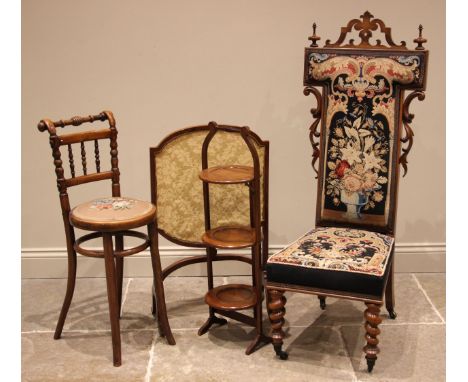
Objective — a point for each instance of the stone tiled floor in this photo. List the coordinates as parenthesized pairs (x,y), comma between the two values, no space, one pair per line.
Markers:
(322,345)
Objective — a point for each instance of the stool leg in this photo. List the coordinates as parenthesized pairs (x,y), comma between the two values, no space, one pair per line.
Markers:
(70,281)
(112,297)
(119,266)
(158,284)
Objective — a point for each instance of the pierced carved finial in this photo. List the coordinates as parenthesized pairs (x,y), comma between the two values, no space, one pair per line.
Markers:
(366,26)
(420,40)
(314,38)
(366,16)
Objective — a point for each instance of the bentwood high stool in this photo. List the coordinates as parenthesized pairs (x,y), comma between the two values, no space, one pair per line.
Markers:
(110,218)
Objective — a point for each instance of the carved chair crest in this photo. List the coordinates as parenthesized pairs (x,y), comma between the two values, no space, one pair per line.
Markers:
(362,111)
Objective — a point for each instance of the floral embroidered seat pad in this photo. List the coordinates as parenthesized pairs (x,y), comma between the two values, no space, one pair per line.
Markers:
(110,211)
(333,258)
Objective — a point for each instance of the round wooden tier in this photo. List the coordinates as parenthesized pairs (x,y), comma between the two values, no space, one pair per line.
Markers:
(230,237)
(231,297)
(227,174)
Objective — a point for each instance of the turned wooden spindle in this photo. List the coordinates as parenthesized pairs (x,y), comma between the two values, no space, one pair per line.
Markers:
(83,158)
(70,160)
(372,317)
(55,145)
(276,308)
(96,156)
(114,158)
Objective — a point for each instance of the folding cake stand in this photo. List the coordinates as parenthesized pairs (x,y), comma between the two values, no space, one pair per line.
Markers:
(228,300)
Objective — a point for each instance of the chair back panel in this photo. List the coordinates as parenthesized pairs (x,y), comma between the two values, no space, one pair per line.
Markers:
(361,122)
(177,190)
(62,150)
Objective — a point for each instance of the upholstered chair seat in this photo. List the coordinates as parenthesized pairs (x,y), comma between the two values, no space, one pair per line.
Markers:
(336,259)
(107,213)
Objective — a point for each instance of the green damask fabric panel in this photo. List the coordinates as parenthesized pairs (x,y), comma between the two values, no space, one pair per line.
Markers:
(179,189)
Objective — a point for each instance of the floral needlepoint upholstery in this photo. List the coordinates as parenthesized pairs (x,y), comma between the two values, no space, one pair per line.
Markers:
(332,258)
(111,210)
(361,124)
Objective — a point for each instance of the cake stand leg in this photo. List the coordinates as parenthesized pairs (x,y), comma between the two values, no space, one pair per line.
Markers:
(259,341)
(212,319)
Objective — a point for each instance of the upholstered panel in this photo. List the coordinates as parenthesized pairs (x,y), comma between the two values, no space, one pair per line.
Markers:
(360,129)
(331,257)
(112,210)
(179,190)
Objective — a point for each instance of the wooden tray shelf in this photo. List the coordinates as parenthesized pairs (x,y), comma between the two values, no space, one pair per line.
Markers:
(233,174)
(231,297)
(230,237)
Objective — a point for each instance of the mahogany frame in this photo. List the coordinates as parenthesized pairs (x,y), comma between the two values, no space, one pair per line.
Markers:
(403,117)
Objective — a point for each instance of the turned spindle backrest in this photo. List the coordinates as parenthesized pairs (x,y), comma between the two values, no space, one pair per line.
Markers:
(362,111)
(82,169)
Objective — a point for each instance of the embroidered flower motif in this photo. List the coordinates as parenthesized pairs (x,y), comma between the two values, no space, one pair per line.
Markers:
(113,203)
(360,122)
(340,249)
(357,161)
(340,169)
(352,182)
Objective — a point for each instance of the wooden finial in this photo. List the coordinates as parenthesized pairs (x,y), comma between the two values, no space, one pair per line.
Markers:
(314,38)
(420,40)
(366,16)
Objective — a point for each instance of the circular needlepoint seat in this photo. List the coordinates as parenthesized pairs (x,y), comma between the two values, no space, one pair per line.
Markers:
(112,214)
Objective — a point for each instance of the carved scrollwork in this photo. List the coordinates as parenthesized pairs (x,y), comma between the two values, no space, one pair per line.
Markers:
(313,130)
(407,119)
(366,26)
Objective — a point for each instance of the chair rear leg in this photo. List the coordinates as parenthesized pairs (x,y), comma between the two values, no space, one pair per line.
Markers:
(390,295)
(70,287)
(323,302)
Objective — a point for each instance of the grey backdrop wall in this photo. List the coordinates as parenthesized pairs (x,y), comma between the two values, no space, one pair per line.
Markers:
(164,65)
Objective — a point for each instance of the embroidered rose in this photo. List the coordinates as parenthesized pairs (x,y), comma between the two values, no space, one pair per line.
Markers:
(352,182)
(340,169)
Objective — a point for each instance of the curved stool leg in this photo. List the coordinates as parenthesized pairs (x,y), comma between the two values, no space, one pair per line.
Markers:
(153,302)
(119,266)
(70,283)
(158,285)
(112,297)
